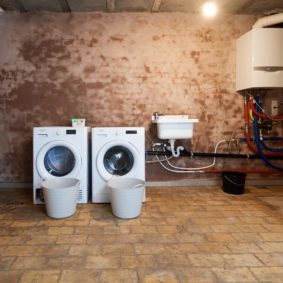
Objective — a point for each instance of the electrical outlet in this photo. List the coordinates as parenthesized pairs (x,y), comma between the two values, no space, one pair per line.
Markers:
(274,107)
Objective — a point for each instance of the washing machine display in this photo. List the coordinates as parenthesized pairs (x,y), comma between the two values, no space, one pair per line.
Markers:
(60,152)
(115,152)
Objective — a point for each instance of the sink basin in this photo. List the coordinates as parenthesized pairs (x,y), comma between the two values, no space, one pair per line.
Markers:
(173,127)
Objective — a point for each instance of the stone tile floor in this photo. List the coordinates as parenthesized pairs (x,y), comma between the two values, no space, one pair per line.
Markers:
(185,234)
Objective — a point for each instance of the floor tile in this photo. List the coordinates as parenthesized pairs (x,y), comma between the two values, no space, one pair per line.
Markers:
(60,231)
(230,274)
(172,260)
(71,239)
(206,260)
(212,248)
(158,275)
(74,276)
(10,275)
(119,276)
(246,237)
(20,250)
(241,260)
(219,237)
(268,274)
(196,274)
(65,262)
(29,262)
(274,259)
(136,261)
(244,247)
(180,248)
(118,249)
(42,276)
(149,248)
(52,250)
(276,237)
(84,250)
(103,262)
(6,262)
(271,247)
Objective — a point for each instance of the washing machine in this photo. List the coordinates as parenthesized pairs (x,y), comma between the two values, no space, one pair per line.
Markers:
(60,152)
(116,152)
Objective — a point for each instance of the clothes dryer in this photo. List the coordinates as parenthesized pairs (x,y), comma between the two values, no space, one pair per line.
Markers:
(60,152)
(118,151)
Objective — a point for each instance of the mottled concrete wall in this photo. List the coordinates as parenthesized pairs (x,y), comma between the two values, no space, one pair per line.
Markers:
(115,70)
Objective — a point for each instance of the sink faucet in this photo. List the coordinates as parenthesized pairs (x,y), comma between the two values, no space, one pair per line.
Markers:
(155,115)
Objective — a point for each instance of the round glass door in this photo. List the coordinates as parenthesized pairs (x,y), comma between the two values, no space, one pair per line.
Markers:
(59,161)
(118,160)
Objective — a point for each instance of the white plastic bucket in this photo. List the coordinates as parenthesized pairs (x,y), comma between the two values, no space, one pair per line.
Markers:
(126,195)
(60,196)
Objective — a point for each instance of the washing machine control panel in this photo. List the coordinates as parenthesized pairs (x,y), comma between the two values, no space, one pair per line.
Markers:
(127,132)
(67,132)
(131,132)
(71,132)
(112,133)
(45,132)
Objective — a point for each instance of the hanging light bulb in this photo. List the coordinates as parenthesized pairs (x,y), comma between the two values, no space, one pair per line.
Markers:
(209,9)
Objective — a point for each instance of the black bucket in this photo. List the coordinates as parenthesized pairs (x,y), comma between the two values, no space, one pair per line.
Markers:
(234,182)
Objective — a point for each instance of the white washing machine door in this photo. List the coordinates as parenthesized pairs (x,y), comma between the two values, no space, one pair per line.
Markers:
(58,159)
(119,158)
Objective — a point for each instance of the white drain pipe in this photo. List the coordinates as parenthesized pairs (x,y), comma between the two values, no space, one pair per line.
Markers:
(178,149)
(269,21)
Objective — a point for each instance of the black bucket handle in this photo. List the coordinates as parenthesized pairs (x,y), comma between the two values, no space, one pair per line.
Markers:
(231,181)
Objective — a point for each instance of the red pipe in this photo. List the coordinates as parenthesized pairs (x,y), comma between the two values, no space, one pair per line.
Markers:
(268,172)
(247,136)
(262,115)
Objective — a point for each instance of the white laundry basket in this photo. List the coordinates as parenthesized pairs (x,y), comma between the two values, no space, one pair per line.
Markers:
(60,196)
(126,195)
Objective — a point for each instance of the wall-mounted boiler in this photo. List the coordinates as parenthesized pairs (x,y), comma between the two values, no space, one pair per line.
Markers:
(259,59)
(259,55)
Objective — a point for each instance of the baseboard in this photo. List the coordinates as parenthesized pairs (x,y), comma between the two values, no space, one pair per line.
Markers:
(15,185)
(186,183)
(195,183)
(212,183)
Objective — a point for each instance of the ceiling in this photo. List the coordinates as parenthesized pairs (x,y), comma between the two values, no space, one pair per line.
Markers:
(256,7)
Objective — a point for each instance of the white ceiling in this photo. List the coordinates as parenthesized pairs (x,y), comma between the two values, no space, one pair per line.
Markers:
(256,7)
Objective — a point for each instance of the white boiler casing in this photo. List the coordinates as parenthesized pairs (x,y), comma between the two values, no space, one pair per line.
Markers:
(259,59)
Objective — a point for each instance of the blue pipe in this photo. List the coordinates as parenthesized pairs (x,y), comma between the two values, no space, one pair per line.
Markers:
(265,146)
(258,143)
(265,139)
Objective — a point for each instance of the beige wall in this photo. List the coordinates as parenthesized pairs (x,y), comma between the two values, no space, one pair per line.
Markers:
(115,70)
